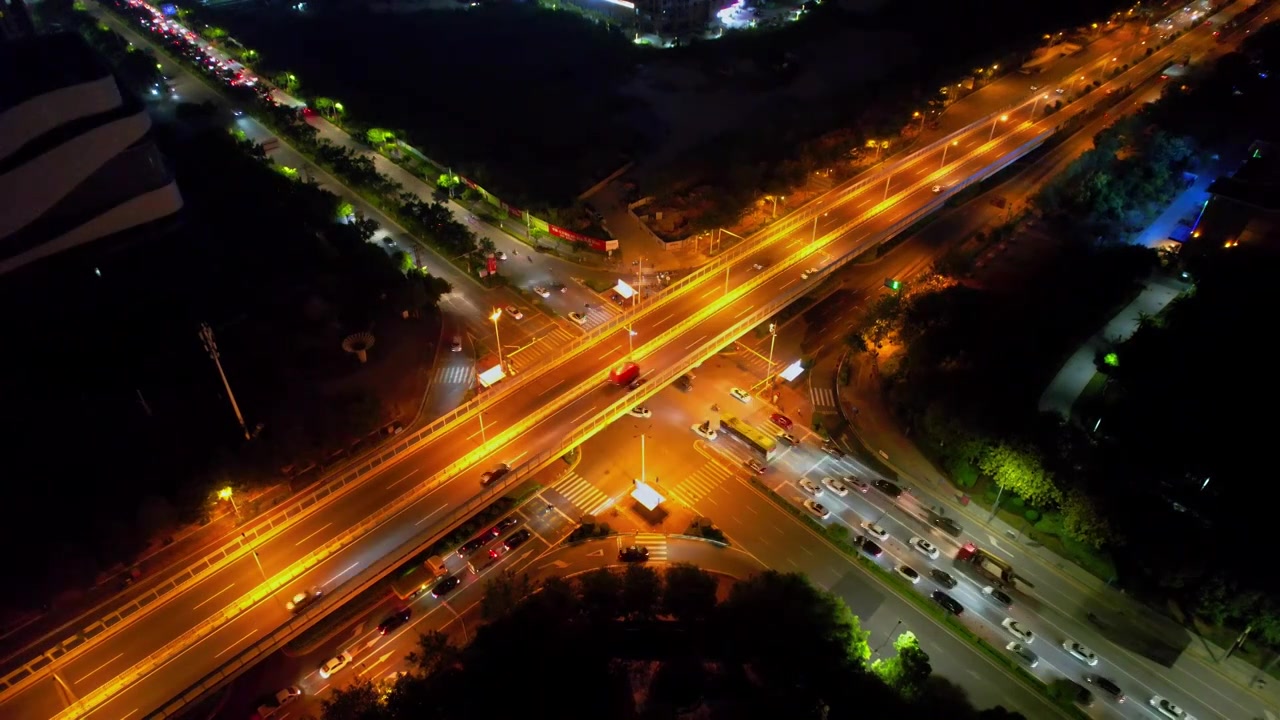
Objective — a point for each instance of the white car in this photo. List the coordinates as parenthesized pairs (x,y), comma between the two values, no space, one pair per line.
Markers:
(1080,652)
(817,509)
(1018,631)
(808,273)
(937,188)
(334,664)
(835,486)
(757,267)
(876,531)
(708,433)
(500,255)
(297,602)
(810,487)
(1023,652)
(514,312)
(740,394)
(1168,709)
(640,411)
(909,573)
(854,482)
(578,317)
(925,547)
(542,292)
(456,345)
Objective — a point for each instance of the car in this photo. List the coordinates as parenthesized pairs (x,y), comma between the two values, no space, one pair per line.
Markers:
(474,544)
(489,477)
(997,596)
(1080,694)
(808,273)
(1023,652)
(949,603)
(756,466)
(445,586)
(830,449)
(334,664)
(578,317)
(517,538)
(704,429)
(859,485)
(943,578)
(821,512)
(1168,709)
(502,525)
(876,531)
(272,705)
(1107,686)
(1060,91)
(888,488)
(500,255)
(634,553)
(237,112)
(1035,88)
(1018,631)
(781,421)
(542,292)
(514,312)
(559,287)
(298,601)
(740,394)
(789,438)
(1080,652)
(924,547)
(809,486)
(835,486)
(937,188)
(456,345)
(635,384)
(394,620)
(869,546)
(640,411)
(948,526)
(757,266)
(909,573)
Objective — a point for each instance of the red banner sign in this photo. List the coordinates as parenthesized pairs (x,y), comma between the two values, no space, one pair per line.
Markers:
(493,264)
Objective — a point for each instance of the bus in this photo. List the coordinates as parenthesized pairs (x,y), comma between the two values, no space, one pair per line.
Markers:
(755,438)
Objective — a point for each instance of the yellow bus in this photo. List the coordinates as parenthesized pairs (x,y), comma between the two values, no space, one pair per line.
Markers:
(755,438)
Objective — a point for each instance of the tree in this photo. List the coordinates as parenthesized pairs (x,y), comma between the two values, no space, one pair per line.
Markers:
(601,594)
(1082,520)
(909,670)
(1017,469)
(359,701)
(504,592)
(641,591)
(434,653)
(379,136)
(690,593)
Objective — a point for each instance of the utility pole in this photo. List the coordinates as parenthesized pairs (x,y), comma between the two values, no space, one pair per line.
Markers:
(211,345)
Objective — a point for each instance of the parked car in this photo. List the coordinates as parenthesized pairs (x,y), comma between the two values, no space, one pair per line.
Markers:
(948,526)
(514,312)
(1107,686)
(518,538)
(817,509)
(781,421)
(888,488)
(542,292)
(704,430)
(924,547)
(756,466)
(334,664)
(640,411)
(1168,709)
(1080,652)
(809,486)
(909,573)
(859,485)
(578,317)
(1023,652)
(740,394)
(835,486)
(869,546)
(876,531)
(634,553)
(1018,631)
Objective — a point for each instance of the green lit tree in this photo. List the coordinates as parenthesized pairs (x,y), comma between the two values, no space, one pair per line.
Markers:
(1082,521)
(908,670)
(1018,470)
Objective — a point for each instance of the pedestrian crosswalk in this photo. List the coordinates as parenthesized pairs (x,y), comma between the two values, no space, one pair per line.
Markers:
(585,497)
(454,375)
(549,341)
(700,483)
(657,545)
(598,313)
(823,397)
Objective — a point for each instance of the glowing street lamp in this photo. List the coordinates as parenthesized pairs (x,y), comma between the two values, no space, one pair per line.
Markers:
(631,333)
(226,494)
(497,313)
(994,123)
(918,114)
(1036,104)
(945,148)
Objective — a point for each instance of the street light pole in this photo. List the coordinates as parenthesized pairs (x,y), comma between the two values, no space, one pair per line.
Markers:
(497,313)
(947,147)
(484,440)
(630,334)
(773,338)
(211,345)
(886,187)
(994,123)
(642,468)
(996,506)
(726,280)
(258,560)
(1036,104)
(813,237)
(886,638)
(227,494)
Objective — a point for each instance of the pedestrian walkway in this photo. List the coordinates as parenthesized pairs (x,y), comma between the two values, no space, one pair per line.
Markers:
(455,374)
(823,398)
(549,342)
(700,483)
(1065,387)
(655,543)
(598,314)
(582,495)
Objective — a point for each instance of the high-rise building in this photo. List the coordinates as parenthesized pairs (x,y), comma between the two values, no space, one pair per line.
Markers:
(77,163)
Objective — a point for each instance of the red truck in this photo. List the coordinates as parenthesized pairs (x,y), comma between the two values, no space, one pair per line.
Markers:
(624,374)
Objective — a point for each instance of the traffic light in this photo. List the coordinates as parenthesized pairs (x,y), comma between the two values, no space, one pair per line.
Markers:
(894,285)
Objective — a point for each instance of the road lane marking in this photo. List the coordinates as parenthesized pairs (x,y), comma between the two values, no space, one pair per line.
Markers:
(349,568)
(232,645)
(312,535)
(661,319)
(744,311)
(695,342)
(553,387)
(91,672)
(218,593)
(128,714)
(708,293)
(405,477)
(575,420)
(428,515)
(609,352)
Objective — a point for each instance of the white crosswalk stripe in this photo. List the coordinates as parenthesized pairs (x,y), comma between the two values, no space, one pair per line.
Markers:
(548,343)
(584,496)
(822,397)
(700,484)
(454,374)
(656,543)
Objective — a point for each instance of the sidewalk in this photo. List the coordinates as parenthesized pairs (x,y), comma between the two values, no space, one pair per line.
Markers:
(861,404)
